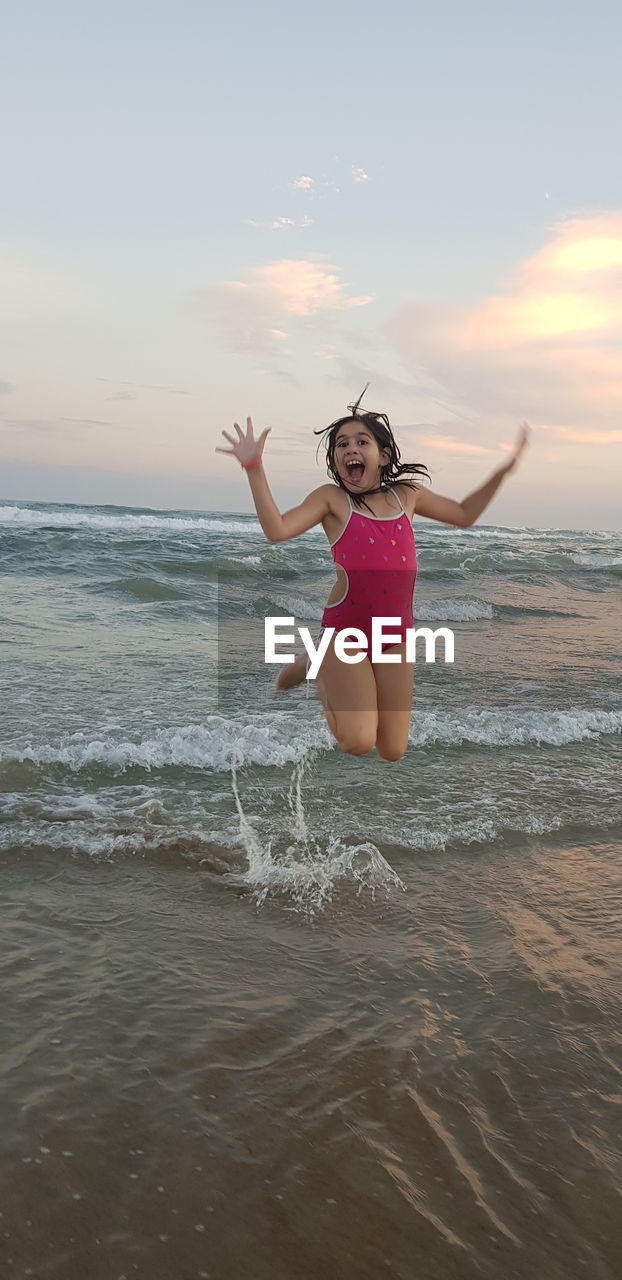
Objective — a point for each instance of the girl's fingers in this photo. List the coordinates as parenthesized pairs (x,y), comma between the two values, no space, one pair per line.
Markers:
(522,440)
(241,436)
(229,452)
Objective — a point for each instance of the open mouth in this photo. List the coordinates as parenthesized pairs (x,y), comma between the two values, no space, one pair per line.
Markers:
(355,471)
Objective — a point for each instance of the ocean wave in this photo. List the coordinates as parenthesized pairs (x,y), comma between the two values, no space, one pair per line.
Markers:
(483,829)
(512,726)
(277,739)
(596,560)
(519,611)
(272,857)
(456,610)
(145,590)
(523,534)
(171,846)
(215,745)
(218,545)
(460,561)
(123,522)
(436,562)
(460,609)
(288,607)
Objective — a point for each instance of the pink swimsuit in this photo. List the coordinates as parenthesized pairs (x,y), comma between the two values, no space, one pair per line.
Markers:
(379,558)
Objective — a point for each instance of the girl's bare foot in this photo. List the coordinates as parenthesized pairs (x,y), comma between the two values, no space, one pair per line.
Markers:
(293,674)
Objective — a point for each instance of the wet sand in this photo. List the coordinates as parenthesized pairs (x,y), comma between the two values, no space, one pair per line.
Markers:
(423,1082)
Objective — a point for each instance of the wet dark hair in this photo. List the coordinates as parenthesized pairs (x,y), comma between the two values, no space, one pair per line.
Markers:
(378,425)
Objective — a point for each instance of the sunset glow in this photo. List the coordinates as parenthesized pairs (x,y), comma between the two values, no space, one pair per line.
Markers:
(162,289)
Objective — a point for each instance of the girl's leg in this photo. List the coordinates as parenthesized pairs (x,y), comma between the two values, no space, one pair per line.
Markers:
(293,673)
(394,686)
(348,695)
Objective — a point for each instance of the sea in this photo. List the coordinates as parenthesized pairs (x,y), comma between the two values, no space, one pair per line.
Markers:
(270,1011)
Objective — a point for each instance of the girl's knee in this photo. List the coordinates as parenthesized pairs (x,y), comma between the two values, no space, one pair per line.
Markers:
(391,750)
(357,745)
(357,739)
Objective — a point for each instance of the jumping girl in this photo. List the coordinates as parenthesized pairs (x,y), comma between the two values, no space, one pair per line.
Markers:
(366,703)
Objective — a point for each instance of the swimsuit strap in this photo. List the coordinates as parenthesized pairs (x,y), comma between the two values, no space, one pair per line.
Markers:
(378,517)
(399,500)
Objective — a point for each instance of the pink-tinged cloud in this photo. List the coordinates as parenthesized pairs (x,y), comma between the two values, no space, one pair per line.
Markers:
(570,286)
(301,288)
(585,437)
(250,314)
(546,347)
(448,445)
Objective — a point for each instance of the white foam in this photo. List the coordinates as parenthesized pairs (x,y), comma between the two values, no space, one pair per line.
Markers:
(85,806)
(512,726)
(275,739)
(297,608)
(456,610)
(280,738)
(596,560)
(122,523)
(96,841)
(527,534)
(478,830)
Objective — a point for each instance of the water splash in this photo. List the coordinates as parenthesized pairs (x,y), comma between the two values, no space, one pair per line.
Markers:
(305,868)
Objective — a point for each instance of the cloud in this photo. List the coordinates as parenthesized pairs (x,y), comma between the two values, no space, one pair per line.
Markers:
(122,395)
(53,425)
(302,288)
(33,284)
(585,437)
(31,424)
(313,190)
(278,224)
(449,445)
(5,388)
(310,185)
(546,347)
(251,314)
(143,386)
(89,422)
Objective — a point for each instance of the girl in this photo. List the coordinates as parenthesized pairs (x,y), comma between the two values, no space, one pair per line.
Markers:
(366,703)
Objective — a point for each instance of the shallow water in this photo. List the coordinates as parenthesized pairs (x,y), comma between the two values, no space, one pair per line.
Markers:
(274,1011)
(427,1076)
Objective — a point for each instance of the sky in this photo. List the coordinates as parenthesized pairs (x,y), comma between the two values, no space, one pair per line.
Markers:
(210,212)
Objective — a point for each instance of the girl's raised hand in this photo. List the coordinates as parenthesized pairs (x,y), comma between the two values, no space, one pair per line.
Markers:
(520,444)
(246,448)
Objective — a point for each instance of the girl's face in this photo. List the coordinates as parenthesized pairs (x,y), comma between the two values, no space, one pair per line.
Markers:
(357,457)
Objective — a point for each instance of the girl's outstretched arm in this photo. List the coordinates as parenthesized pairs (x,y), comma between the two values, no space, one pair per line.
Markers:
(277,527)
(465,513)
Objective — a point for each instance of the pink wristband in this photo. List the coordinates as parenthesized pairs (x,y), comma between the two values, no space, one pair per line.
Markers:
(247,465)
